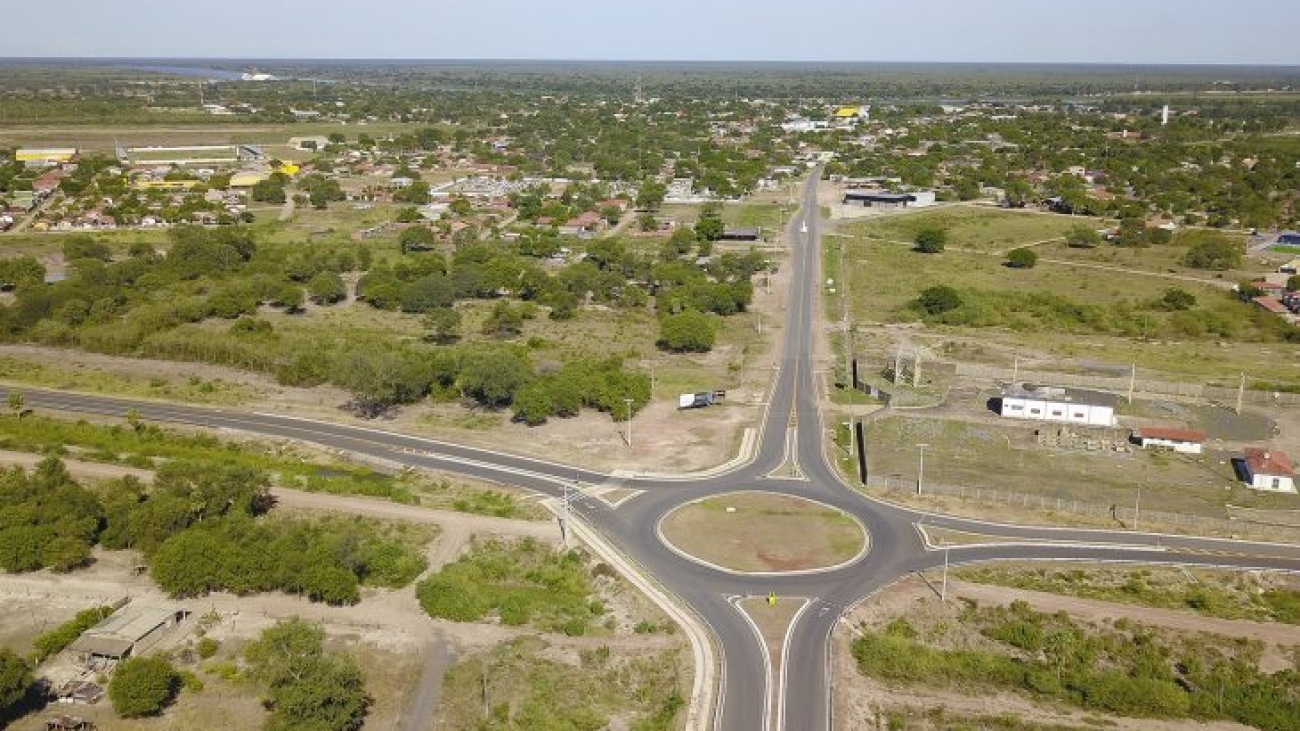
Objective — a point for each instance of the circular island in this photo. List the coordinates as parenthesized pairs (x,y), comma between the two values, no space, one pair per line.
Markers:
(763,533)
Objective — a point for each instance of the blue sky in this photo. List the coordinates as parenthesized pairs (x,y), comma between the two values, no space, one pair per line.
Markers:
(1097,31)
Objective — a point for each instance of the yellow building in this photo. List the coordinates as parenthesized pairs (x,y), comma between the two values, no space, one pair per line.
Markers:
(290,169)
(45,156)
(247,178)
(848,112)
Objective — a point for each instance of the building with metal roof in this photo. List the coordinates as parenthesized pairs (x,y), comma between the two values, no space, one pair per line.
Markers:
(1054,403)
(128,631)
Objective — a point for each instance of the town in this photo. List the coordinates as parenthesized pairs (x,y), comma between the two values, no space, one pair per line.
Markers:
(617,395)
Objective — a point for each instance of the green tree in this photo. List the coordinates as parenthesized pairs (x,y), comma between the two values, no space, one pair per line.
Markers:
(308,689)
(505,321)
(931,240)
(15,681)
(327,288)
(443,324)
(16,402)
(289,296)
(938,300)
(709,226)
(416,238)
(688,331)
(491,376)
(428,293)
(1215,252)
(1293,283)
(269,191)
(143,686)
(1022,258)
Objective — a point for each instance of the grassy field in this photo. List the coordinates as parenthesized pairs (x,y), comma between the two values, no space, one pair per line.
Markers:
(979,229)
(1063,312)
(526,684)
(1006,458)
(755,532)
(1228,595)
(289,465)
(193,389)
(1119,669)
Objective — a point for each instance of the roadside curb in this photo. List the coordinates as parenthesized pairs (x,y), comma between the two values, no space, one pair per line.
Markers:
(704,685)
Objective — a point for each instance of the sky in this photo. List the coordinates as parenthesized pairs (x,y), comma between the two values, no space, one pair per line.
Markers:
(1086,31)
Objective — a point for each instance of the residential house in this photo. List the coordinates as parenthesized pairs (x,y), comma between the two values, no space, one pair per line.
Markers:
(1268,469)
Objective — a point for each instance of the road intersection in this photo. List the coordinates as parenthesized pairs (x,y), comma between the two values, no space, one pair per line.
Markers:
(747,697)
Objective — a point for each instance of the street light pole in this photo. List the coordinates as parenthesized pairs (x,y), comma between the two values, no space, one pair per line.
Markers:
(920,473)
(628,401)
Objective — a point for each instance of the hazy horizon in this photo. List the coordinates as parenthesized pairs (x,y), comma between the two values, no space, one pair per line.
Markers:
(1107,32)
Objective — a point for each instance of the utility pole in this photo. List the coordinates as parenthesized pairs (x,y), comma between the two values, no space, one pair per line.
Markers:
(1241,392)
(898,363)
(1132,381)
(916,371)
(943,593)
(564,514)
(1137,508)
(628,401)
(920,472)
(1015,371)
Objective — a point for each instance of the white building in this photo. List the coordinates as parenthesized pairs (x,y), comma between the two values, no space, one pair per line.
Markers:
(1051,403)
(1184,441)
(1269,470)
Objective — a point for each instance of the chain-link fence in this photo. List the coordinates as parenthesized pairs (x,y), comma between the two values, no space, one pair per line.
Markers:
(1259,527)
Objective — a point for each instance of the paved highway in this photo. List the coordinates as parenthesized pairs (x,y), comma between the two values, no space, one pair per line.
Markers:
(790,459)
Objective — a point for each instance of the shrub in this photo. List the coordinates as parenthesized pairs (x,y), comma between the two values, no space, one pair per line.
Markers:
(52,642)
(931,240)
(1022,258)
(143,686)
(938,300)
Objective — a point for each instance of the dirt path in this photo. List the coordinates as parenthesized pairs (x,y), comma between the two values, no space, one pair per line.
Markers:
(466,523)
(438,658)
(76,468)
(857,698)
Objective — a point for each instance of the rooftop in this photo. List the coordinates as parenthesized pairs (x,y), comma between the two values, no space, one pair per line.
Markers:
(1060,394)
(1268,462)
(1172,434)
(116,635)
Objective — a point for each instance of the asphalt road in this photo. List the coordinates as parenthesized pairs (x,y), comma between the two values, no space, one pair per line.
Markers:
(802,692)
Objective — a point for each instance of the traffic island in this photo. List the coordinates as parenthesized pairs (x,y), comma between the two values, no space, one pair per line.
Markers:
(754,532)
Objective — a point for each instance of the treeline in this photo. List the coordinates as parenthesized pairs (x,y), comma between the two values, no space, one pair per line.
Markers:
(1128,670)
(200,530)
(155,305)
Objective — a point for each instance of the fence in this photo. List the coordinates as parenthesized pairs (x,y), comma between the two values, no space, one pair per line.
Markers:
(1121,385)
(1126,515)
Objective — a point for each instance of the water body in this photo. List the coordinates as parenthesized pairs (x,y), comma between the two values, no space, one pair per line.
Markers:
(191,71)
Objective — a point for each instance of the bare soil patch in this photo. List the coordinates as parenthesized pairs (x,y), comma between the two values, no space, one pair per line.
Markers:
(760,533)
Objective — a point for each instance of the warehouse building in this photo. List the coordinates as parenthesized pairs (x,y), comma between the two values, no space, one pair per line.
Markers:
(886,200)
(1184,441)
(1052,403)
(127,632)
(45,157)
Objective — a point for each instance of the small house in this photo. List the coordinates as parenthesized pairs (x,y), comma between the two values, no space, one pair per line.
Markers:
(1268,469)
(1184,441)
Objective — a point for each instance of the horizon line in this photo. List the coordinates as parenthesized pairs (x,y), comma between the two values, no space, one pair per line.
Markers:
(415,59)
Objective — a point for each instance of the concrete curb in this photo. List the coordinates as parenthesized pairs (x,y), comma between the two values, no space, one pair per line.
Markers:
(703,688)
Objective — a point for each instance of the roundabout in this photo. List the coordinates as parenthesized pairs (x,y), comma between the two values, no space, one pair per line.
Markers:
(764,534)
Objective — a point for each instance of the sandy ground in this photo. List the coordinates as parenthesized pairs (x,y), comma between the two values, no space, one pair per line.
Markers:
(856,697)
(388,626)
